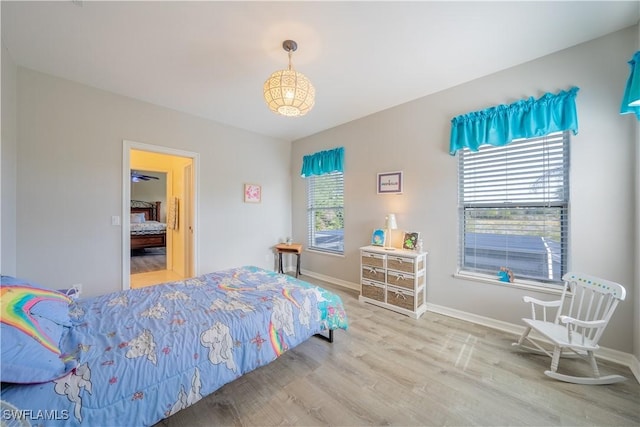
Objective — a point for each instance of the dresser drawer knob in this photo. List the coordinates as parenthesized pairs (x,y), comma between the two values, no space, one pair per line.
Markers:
(398,295)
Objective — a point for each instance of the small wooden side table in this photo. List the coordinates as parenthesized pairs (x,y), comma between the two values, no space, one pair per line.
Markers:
(292,248)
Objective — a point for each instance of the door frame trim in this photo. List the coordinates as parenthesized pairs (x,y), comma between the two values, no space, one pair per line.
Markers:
(127,146)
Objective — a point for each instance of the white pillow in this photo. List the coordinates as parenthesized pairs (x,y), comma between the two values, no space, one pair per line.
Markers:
(137,218)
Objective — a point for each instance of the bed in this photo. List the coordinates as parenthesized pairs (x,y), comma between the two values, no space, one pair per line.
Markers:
(146,229)
(135,357)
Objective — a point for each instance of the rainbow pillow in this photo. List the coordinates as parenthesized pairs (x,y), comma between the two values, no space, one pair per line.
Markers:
(32,321)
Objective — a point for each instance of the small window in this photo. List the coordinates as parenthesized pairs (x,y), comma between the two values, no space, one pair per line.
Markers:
(513,208)
(325,210)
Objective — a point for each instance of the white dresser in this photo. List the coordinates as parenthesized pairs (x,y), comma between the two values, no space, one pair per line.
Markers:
(394,279)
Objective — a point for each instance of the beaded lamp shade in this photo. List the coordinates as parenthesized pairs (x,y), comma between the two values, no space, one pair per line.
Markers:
(288,92)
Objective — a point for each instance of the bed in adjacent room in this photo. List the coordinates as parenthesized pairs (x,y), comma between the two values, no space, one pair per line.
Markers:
(147,231)
(139,356)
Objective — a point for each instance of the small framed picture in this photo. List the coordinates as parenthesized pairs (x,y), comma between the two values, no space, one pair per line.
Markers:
(377,239)
(410,240)
(390,182)
(252,193)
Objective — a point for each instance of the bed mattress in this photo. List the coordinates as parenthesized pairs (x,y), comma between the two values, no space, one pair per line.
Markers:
(148,227)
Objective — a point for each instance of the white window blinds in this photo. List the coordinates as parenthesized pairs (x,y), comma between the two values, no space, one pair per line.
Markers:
(325,210)
(513,203)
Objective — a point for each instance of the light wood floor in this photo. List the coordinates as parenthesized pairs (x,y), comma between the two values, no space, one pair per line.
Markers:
(146,260)
(389,369)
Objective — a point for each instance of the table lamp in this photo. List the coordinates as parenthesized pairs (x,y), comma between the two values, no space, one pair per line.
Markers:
(390,224)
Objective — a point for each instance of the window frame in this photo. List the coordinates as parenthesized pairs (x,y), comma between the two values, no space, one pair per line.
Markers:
(337,180)
(521,204)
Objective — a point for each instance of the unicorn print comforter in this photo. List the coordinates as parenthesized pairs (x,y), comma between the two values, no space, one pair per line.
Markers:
(142,355)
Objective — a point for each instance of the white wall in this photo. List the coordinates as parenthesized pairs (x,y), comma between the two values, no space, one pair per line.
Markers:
(8,173)
(69,183)
(636,323)
(637,278)
(414,137)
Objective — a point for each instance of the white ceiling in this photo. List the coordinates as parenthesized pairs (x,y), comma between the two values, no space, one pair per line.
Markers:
(211,58)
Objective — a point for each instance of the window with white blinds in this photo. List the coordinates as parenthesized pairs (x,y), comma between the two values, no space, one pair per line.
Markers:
(325,212)
(513,208)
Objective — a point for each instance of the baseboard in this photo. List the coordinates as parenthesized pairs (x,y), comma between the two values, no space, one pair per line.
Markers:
(478,320)
(333,280)
(611,355)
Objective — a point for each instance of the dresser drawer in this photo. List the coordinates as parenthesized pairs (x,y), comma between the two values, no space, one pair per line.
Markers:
(373,290)
(399,279)
(406,280)
(399,297)
(372,259)
(401,263)
(373,273)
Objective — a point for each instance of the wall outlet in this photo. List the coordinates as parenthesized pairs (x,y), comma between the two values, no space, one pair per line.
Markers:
(115,220)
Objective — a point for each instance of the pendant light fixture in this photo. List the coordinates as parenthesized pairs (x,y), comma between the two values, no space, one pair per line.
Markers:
(288,92)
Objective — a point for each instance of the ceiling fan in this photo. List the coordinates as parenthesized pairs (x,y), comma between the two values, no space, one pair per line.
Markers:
(137,177)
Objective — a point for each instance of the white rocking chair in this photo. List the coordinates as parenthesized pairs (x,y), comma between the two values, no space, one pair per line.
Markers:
(583,312)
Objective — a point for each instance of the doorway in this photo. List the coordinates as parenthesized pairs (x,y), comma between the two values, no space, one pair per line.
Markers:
(148,222)
(173,206)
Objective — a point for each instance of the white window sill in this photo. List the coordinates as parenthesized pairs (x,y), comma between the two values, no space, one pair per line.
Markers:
(313,251)
(519,284)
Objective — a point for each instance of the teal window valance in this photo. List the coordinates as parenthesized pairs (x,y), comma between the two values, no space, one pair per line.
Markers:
(323,162)
(526,118)
(631,97)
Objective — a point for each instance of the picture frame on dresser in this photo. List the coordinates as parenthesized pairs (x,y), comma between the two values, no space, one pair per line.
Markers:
(410,240)
(378,237)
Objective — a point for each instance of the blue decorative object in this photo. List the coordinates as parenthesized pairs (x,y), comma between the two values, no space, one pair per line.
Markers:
(631,97)
(323,162)
(526,118)
(505,275)
(377,239)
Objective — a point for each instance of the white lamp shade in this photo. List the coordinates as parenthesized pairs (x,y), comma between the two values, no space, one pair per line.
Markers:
(390,222)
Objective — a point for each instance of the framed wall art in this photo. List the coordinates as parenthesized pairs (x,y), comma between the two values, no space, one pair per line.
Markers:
(252,193)
(390,182)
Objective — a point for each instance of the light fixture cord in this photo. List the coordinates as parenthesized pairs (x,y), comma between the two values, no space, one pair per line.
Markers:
(290,66)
